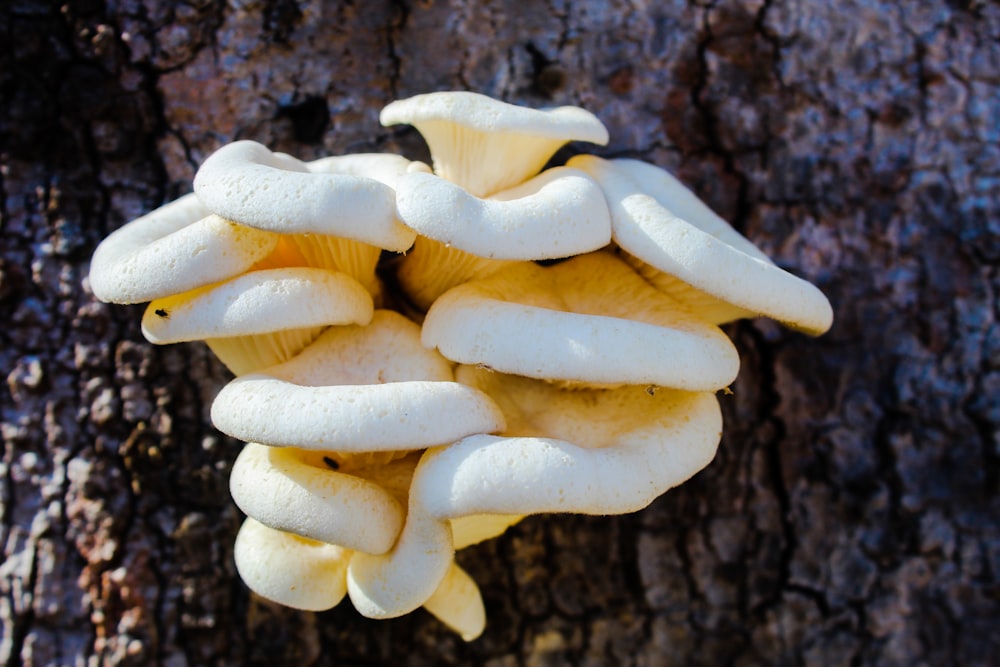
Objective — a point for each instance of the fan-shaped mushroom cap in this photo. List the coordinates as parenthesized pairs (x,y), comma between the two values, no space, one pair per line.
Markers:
(297,492)
(663,224)
(178,247)
(249,184)
(591,451)
(485,145)
(290,570)
(260,318)
(590,319)
(386,168)
(458,604)
(596,451)
(559,213)
(357,389)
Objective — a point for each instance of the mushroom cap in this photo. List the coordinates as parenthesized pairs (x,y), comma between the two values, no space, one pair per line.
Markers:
(284,568)
(245,182)
(485,114)
(178,247)
(638,450)
(394,584)
(297,492)
(259,302)
(670,230)
(589,319)
(559,213)
(592,451)
(357,389)
(485,145)
(458,604)
(386,168)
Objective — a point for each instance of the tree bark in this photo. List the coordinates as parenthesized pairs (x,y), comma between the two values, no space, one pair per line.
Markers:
(852,514)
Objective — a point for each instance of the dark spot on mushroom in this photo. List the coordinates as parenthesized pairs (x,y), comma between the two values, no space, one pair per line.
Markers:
(333,465)
(162,313)
(651,390)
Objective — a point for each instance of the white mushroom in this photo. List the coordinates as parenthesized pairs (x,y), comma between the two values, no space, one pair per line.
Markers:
(245,182)
(484,145)
(338,213)
(590,451)
(660,222)
(398,583)
(260,318)
(559,213)
(290,570)
(588,385)
(357,390)
(458,604)
(178,247)
(590,319)
(310,575)
(298,492)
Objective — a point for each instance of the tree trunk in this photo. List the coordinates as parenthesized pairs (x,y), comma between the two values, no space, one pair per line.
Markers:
(851,515)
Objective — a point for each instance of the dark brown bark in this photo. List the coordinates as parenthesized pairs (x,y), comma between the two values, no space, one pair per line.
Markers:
(851,517)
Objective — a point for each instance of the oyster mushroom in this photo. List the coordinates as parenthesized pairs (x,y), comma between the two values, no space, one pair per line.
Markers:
(687,251)
(357,390)
(589,319)
(341,414)
(290,570)
(559,213)
(260,318)
(590,451)
(297,492)
(310,575)
(178,247)
(337,213)
(485,145)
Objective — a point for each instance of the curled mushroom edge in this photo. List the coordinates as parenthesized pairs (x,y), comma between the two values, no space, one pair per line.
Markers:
(425,355)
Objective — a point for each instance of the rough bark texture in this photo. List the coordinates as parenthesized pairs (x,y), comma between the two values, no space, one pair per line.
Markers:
(851,517)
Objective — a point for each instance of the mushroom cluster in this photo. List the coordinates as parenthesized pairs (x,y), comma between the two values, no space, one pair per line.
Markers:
(425,355)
